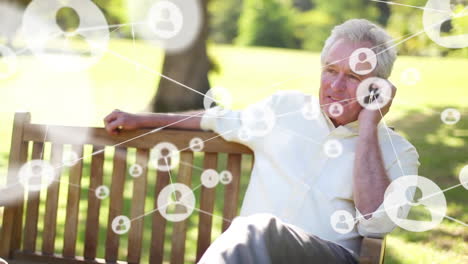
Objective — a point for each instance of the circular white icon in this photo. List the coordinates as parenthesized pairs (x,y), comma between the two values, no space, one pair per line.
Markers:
(410,76)
(135,170)
(8,62)
(165,19)
(66,49)
(450,116)
(121,224)
(70,158)
(210,178)
(164,156)
(311,109)
(197,144)
(36,175)
(374,93)
(335,109)
(176,202)
(426,202)
(438,19)
(333,148)
(464,177)
(363,61)
(172,24)
(244,134)
(102,192)
(258,120)
(217,101)
(225,177)
(342,221)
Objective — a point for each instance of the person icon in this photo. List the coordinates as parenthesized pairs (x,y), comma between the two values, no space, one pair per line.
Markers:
(450,117)
(415,203)
(363,64)
(336,109)
(225,177)
(164,159)
(342,221)
(35,176)
(102,192)
(196,144)
(176,206)
(374,94)
(165,22)
(165,19)
(121,224)
(342,224)
(363,61)
(440,20)
(63,31)
(164,156)
(176,202)
(417,212)
(135,170)
(332,149)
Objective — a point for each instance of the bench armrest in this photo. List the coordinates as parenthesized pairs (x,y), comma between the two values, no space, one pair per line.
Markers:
(372,250)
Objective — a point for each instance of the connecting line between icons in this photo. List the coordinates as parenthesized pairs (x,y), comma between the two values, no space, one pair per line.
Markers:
(417,7)
(391,141)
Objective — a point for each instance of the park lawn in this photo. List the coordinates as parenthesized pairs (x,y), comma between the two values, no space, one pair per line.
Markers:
(251,74)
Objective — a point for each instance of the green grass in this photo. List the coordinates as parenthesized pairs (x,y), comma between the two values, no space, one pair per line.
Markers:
(252,74)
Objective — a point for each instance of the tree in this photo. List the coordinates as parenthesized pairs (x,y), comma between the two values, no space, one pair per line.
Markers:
(190,67)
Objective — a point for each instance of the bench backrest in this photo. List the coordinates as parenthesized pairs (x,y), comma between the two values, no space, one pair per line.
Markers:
(82,212)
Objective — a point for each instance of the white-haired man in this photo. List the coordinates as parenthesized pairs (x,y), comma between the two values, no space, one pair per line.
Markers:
(295,188)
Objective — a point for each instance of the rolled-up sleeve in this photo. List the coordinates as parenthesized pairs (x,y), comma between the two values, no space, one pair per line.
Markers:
(380,223)
(224,122)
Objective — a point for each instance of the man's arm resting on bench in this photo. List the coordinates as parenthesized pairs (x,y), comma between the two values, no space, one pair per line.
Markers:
(119,120)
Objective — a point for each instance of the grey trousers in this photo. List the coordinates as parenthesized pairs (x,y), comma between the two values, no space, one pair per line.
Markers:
(263,238)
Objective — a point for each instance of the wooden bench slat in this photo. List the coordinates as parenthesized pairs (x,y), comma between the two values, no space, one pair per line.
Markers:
(158,229)
(116,201)
(11,231)
(99,136)
(50,217)
(207,201)
(92,219)
(32,211)
(74,192)
(135,238)
(231,190)
(180,228)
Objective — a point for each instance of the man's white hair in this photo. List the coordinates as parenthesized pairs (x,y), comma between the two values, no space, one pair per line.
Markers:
(362,30)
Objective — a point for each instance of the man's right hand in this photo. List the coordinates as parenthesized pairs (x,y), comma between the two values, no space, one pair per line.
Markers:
(118,121)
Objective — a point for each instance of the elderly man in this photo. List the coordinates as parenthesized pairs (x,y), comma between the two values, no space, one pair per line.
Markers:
(296,188)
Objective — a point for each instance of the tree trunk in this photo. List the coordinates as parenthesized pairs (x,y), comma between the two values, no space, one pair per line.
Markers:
(189,67)
(385,13)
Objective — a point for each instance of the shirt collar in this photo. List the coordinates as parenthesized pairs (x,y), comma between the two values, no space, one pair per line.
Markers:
(348,130)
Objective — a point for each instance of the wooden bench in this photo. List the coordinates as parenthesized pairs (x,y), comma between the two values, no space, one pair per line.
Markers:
(20,233)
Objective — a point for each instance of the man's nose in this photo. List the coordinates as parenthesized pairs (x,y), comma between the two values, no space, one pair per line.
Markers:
(338,83)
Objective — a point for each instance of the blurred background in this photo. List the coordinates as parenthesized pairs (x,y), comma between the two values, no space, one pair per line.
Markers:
(254,48)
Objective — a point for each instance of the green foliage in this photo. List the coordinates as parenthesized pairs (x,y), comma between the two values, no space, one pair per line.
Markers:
(313,28)
(224,15)
(267,23)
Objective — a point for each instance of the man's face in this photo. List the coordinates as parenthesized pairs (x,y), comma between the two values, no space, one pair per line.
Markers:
(339,83)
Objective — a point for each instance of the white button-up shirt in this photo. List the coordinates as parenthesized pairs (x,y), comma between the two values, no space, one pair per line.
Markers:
(293,179)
